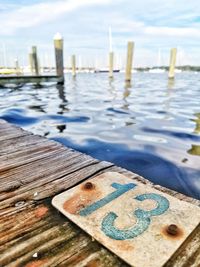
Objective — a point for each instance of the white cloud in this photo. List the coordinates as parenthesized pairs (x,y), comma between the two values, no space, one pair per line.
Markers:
(36,14)
(85,30)
(173,31)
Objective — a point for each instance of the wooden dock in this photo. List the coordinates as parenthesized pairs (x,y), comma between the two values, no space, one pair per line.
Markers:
(33,233)
(37,79)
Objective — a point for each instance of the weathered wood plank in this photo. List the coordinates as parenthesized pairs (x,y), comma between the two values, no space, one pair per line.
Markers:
(22,142)
(8,132)
(49,232)
(31,173)
(52,186)
(19,158)
(11,135)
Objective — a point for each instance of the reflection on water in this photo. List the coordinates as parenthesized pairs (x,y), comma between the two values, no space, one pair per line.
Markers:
(197,121)
(151,127)
(128,85)
(195,150)
(61,93)
(171,83)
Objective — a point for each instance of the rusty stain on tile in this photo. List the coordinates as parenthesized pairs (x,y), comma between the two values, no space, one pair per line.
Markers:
(172,234)
(138,223)
(125,245)
(80,200)
(88,186)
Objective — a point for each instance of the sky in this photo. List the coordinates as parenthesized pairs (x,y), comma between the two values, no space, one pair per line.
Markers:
(153,25)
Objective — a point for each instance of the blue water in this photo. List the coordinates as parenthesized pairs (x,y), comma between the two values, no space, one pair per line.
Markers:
(151,127)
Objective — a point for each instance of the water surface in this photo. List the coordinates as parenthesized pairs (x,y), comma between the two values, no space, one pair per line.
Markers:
(151,127)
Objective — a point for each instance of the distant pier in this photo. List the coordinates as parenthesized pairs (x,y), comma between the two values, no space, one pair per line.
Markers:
(21,79)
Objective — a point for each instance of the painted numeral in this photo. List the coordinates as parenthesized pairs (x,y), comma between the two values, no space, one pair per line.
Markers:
(120,190)
(143,217)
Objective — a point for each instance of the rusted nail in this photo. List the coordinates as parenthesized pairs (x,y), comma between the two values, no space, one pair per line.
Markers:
(172,229)
(88,185)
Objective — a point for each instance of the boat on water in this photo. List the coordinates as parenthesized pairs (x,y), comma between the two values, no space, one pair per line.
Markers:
(132,71)
(156,70)
(177,71)
(106,70)
(6,71)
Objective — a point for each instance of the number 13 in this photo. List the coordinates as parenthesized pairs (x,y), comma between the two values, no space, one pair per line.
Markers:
(143,217)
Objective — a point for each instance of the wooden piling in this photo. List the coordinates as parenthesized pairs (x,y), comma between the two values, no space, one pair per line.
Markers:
(111,63)
(35,60)
(58,45)
(17,67)
(172,63)
(129,61)
(73,65)
(30,58)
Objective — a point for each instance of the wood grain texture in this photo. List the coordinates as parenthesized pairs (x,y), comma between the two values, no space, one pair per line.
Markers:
(32,232)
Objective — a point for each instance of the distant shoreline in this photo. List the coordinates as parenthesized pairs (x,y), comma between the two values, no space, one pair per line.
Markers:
(156,69)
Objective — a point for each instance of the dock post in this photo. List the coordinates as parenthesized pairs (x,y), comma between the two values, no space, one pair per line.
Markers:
(129,61)
(58,45)
(17,67)
(35,60)
(73,65)
(30,58)
(111,63)
(172,63)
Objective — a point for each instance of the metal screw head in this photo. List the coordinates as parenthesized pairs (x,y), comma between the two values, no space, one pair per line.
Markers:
(20,203)
(88,185)
(172,229)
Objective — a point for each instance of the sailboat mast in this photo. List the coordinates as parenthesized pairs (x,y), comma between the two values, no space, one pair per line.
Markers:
(159,58)
(110,40)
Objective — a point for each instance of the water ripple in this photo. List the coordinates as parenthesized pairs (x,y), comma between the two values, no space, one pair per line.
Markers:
(151,127)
